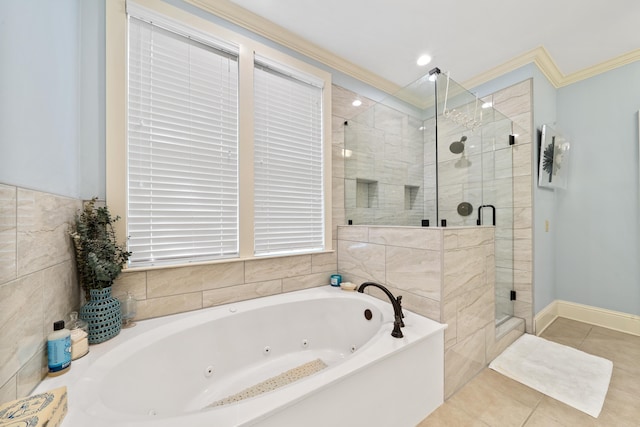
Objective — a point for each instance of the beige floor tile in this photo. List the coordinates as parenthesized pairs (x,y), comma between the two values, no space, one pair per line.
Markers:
(450,416)
(625,381)
(490,405)
(566,331)
(518,391)
(564,414)
(538,419)
(622,349)
(497,401)
(620,409)
(610,334)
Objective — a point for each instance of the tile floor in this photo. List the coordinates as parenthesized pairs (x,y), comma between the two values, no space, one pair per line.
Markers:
(491,399)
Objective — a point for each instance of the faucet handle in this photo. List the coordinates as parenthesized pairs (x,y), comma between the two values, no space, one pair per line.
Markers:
(399,300)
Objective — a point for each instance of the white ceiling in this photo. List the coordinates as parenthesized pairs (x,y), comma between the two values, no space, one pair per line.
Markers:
(465,37)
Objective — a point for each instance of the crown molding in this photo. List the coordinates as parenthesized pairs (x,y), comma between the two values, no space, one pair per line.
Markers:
(240,16)
(603,67)
(545,63)
(539,56)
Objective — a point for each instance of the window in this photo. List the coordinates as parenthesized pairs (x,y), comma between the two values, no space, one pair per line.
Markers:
(288,194)
(182,148)
(225,149)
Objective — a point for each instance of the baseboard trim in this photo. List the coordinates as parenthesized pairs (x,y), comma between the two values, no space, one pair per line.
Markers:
(545,317)
(618,321)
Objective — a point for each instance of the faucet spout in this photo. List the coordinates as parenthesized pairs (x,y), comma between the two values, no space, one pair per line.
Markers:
(395,302)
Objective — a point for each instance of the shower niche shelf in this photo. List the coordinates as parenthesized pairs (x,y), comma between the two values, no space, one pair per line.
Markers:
(410,196)
(366,193)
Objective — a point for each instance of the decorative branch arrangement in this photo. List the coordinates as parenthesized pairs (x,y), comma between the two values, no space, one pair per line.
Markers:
(99,259)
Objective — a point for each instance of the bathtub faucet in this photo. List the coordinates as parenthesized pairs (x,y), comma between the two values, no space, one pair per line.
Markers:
(397,307)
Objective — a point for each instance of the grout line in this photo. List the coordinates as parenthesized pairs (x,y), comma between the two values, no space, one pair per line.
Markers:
(531,413)
(585,337)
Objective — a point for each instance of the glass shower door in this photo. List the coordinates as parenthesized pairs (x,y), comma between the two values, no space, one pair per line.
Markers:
(475,176)
(497,192)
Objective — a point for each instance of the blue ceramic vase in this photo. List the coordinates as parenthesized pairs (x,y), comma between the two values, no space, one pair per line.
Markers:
(103,315)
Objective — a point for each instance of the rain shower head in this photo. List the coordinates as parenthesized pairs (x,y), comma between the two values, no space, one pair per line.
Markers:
(457,147)
(462,162)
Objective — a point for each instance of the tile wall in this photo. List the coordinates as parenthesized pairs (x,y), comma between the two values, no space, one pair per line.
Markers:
(37,282)
(385,167)
(174,290)
(445,274)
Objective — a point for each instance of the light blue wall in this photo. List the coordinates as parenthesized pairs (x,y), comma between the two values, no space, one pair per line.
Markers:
(52,96)
(597,253)
(544,242)
(39,95)
(92,101)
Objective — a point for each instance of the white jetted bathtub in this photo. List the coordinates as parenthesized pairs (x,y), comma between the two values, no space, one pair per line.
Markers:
(323,361)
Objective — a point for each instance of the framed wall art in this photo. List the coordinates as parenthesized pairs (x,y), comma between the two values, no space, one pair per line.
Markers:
(554,159)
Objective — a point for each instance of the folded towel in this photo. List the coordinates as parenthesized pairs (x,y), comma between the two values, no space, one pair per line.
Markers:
(44,409)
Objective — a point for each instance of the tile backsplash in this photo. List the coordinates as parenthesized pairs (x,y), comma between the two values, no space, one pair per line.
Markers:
(174,290)
(37,282)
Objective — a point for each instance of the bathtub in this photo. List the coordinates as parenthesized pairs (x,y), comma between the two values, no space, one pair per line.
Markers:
(168,371)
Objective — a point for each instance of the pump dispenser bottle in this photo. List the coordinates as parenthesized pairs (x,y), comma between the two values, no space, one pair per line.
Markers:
(59,349)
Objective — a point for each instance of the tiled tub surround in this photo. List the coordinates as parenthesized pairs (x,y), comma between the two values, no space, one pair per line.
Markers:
(445,274)
(164,291)
(37,282)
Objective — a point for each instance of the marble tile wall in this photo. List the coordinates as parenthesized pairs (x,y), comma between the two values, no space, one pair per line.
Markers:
(446,274)
(165,291)
(386,161)
(37,282)
(407,260)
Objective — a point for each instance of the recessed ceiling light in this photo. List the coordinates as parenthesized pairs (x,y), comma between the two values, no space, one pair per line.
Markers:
(423,60)
(356,103)
(487,105)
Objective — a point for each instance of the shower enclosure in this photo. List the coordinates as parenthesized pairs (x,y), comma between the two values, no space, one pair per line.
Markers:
(433,154)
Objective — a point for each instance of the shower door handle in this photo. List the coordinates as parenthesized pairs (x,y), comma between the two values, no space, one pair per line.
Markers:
(493,208)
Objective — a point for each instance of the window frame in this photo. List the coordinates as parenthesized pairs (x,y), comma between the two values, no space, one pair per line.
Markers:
(116,118)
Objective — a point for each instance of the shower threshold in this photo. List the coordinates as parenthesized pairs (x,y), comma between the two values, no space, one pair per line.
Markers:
(507,325)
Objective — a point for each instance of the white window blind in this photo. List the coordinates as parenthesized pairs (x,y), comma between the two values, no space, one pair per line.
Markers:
(182,148)
(288,165)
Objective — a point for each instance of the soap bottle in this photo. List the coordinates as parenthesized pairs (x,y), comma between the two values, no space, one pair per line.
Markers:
(79,336)
(59,349)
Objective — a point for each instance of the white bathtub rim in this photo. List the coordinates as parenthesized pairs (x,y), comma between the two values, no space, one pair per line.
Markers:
(150,330)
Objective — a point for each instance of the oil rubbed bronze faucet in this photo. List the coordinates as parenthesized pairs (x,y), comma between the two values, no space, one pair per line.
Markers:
(397,307)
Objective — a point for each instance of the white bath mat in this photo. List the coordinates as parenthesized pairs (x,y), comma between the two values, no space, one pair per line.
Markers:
(571,376)
(273,383)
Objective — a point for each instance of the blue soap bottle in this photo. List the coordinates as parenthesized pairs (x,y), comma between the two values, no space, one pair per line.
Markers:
(59,349)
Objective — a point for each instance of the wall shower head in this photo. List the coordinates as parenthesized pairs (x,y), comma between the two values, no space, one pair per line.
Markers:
(462,162)
(457,147)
